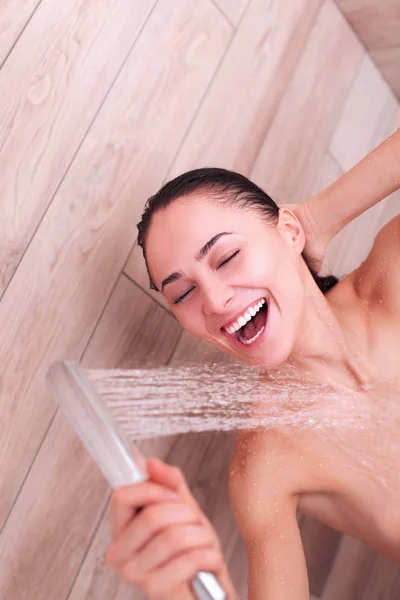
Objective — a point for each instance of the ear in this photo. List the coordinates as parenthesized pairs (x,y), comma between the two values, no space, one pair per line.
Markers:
(290,229)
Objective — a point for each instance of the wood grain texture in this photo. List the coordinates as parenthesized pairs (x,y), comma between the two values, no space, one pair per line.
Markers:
(239,107)
(359,573)
(14,16)
(134,332)
(45,540)
(291,156)
(135,268)
(378,26)
(66,276)
(368,118)
(233,9)
(57,75)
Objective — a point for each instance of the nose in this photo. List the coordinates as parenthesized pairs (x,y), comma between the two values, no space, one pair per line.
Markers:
(216,298)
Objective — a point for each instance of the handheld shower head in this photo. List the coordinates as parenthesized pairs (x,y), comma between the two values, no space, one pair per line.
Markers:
(120,461)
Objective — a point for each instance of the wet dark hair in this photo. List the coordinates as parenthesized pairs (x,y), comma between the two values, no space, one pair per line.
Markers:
(225,186)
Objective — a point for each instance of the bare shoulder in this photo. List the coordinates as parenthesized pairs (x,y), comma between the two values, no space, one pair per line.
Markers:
(378,278)
(268,472)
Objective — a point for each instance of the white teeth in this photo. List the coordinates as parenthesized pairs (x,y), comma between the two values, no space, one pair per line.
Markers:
(242,320)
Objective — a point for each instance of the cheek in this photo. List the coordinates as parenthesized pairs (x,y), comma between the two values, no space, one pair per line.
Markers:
(191,321)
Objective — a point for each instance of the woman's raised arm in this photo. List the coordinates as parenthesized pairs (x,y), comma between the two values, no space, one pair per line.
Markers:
(371,180)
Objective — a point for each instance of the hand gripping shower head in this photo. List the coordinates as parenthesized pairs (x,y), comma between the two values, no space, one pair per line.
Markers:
(120,462)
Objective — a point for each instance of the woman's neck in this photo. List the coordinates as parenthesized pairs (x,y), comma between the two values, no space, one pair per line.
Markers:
(326,347)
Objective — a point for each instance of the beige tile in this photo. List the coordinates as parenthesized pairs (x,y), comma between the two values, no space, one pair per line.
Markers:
(328,173)
(388,60)
(376,23)
(359,572)
(63,499)
(135,268)
(57,75)
(366,119)
(14,16)
(239,107)
(293,151)
(69,271)
(233,9)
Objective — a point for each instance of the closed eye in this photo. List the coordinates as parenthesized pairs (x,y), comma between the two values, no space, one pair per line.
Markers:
(221,264)
(226,260)
(177,300)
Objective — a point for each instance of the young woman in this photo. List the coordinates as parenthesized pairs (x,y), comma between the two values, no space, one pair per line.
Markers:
(236,271)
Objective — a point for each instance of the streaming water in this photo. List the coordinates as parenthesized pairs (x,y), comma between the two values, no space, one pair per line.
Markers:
(169,400)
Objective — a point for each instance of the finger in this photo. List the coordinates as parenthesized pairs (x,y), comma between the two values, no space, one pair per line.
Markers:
(171,477)
(127,500)
(170,543)
(145,526)
(162,582)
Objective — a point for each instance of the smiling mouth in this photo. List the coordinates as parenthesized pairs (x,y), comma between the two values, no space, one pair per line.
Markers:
(250,325)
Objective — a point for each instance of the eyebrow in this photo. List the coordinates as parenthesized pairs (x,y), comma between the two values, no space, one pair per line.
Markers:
(202,253)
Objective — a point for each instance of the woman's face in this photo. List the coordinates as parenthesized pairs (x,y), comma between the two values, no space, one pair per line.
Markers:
(230,277)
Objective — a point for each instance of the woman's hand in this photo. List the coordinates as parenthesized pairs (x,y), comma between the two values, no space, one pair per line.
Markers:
(162,547)
(316,242)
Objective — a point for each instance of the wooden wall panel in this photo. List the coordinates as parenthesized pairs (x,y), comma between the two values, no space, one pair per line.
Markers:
(58,74)
(14,16)
(377,23)
(293,150)
(231,125)
(63,282)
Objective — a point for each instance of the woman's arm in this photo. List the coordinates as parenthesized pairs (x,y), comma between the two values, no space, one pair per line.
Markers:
(277,566)
(370,181)
(264,473)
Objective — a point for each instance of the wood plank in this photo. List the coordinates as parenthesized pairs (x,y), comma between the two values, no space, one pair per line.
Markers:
(57,75)
(135,268)
(293,150)
(66,276)
(64,497)
(377,24)
(359,572)
(388,60)
(233,9)
(14,16)
(231,124)
(367,119)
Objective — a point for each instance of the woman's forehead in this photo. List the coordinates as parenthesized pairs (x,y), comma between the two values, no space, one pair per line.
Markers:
(199,215)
